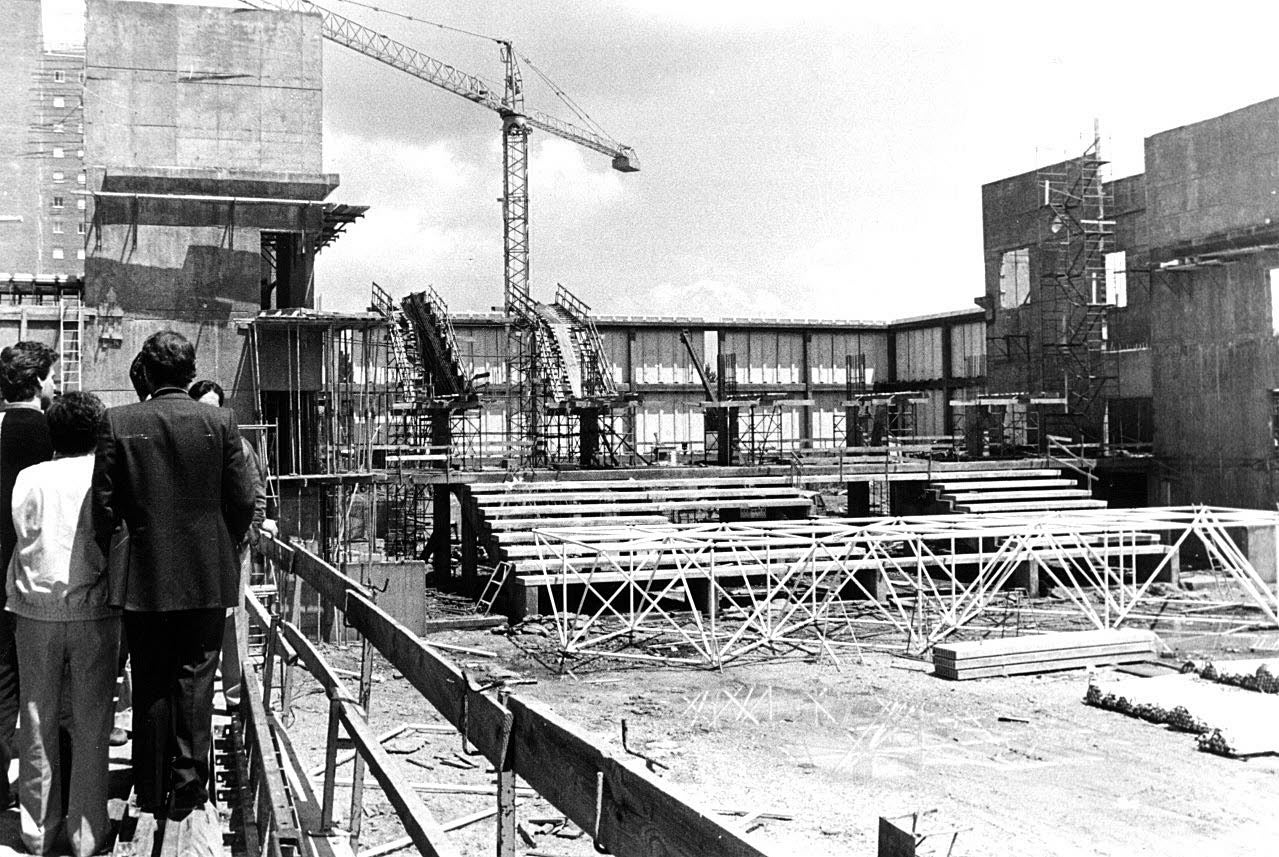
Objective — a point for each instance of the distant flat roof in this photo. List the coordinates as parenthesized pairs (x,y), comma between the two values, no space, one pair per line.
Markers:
(739,321)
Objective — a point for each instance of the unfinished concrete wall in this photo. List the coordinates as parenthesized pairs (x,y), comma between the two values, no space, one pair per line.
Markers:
(20,198)
(1215,181)
(196,120)
(196,86)
(1213,203)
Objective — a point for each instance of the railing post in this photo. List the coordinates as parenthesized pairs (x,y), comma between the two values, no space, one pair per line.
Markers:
(330,764)
(506,832)
(357,764)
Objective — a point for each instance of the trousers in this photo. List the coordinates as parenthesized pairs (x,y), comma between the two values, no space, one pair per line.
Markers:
(68,673)
(175,658)
(8,702)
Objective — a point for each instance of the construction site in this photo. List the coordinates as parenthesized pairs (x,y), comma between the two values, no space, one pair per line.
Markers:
(552,581)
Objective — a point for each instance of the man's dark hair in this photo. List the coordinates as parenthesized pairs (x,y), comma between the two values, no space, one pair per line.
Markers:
(73,422)
(23,368)
(138,378)
(204,386)
(168,358)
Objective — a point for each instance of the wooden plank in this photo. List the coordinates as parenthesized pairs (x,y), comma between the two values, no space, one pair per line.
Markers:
(524,524)
(486,501)
(1147,651)
(638,814)
(1041,666)
(432,676)
(550,571)
(1030,494)
(305,801)
(267,771)
(552,509)
(540,485)
(462,623)
(997,484)
(1029,506)
(428,836)
(324,578)
(1043,642)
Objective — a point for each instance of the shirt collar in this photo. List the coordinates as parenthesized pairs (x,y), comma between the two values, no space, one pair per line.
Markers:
(17,406)
(168,391)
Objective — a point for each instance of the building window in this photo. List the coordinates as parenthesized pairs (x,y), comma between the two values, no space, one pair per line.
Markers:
(81,228)
(59,128)
(59,177)
(80,77)
(79,254)
(59,76)
(58,202)
(1014,278)
(80,203)
(79,153)
(80,178)
(59,101)
(59,152)
(1117,278)
(1274,301)
(57,227)
(58,254)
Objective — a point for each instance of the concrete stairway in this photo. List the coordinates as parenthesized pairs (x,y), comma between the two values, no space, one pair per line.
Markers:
(1040,489)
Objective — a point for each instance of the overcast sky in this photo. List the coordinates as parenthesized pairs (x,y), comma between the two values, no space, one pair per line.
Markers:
(799,158)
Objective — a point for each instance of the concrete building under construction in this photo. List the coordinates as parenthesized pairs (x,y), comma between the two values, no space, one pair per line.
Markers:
(683,491)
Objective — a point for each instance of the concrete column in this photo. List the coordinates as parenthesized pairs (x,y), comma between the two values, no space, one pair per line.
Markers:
(470,555)
(441,515)
(859,499)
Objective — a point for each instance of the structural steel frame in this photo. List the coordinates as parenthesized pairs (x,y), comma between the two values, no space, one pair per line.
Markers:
(625,592)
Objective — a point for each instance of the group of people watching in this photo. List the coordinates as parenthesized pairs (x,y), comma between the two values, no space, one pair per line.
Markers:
(120,529)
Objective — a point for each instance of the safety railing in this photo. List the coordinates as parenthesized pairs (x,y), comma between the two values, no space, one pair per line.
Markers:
(624,808)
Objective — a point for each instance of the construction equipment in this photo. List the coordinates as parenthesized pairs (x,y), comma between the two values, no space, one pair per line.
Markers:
(517,122)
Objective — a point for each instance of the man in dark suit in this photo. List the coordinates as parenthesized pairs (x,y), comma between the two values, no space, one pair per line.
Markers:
(26,381)
(174,471)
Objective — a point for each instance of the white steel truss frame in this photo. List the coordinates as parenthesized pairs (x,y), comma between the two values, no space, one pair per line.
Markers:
(708,594)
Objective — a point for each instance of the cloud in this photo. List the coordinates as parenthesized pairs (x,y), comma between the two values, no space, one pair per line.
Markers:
(707,298)
(563,181)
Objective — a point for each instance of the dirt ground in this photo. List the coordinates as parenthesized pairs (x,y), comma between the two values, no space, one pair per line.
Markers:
(831,748)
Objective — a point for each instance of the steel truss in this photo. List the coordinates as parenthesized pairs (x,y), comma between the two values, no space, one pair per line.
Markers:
(709,594)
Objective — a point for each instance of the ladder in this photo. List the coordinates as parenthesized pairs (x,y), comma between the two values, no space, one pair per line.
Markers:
(493,587)
(70,333)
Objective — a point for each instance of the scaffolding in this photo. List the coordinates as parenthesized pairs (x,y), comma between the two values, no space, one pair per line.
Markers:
(710,594)
(1075,235)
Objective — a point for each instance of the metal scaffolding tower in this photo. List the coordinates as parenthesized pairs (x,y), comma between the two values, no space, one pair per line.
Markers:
(1075,236)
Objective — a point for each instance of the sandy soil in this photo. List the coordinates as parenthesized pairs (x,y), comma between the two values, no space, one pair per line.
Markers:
(833,748)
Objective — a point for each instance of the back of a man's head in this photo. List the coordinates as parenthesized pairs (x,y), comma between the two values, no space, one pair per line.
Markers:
(73,422)
(23,368)
(138,378)
(168,358)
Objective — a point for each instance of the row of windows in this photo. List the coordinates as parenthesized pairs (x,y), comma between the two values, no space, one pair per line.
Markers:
(60,102)
(61,128)
(60,76)
(59,152)
(59,176)
(59,253)
(60,202)
(59,227)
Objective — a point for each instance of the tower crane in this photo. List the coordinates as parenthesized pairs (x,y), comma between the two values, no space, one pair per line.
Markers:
(517,122)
